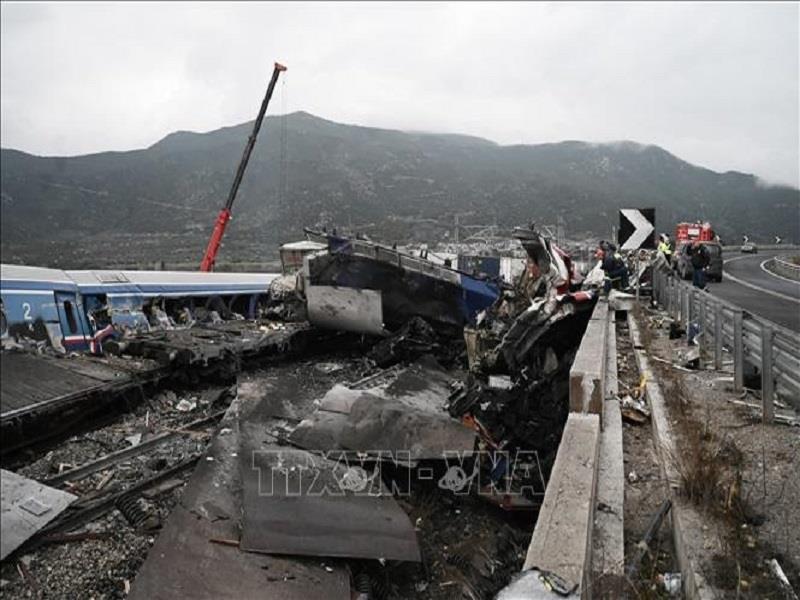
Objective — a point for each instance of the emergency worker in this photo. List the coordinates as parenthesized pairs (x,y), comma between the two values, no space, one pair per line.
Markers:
(665,247)
(614,268)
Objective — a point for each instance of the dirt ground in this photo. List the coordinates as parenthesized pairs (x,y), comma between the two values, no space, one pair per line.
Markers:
(750,482)
(645,489)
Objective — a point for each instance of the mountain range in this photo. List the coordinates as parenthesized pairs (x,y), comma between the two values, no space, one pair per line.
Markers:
(159,203)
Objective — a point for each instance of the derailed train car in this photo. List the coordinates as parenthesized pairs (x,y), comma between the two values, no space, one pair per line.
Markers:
(76,310)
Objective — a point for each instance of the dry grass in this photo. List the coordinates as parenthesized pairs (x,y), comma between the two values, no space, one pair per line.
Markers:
(710,470)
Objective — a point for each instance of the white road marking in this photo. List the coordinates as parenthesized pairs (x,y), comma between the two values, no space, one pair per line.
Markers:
(767,271)
(755,287)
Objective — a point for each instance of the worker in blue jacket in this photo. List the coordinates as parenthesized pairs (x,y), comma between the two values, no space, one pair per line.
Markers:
(614,268)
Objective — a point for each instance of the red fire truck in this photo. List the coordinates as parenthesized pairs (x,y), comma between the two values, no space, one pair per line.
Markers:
(694,231)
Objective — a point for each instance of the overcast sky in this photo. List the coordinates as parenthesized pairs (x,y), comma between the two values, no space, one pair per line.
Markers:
(716,84)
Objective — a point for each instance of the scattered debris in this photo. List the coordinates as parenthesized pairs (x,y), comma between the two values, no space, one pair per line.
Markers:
(634,411)
(26,507)
(411,341)
(672,583)
(328,367)
(500,382)
(675,330)
(776,569)
(185,405)
(690,358)
(131,509)
(643,547)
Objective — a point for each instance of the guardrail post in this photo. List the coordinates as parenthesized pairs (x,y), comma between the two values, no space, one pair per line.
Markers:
(703,331)
(718,336)
(738,350)
(685,307)
(767,380)
(668,294)
(656,285)
(674,299)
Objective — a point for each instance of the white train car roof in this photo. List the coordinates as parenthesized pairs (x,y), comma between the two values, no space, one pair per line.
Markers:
(21,277)
(171,283)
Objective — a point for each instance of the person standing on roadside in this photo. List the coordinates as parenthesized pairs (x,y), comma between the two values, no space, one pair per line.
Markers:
(700,260)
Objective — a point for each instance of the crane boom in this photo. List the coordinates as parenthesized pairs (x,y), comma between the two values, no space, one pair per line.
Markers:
(210,257)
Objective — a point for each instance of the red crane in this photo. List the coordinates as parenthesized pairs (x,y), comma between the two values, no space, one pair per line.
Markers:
(225,214)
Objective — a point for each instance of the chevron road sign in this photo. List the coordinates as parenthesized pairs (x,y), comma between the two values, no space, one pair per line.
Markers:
(637,228)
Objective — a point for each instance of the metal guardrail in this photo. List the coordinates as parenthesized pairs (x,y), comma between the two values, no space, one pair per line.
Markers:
(761,247)
(785,267)
(772,349)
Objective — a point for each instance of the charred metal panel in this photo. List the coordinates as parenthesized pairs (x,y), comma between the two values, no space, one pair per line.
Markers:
(406,414)
(384,424)
(300,503)
(405,293)
(187,562)
(345,309)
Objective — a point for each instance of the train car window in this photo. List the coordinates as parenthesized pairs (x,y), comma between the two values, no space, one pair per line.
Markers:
(70,312)
(3,322)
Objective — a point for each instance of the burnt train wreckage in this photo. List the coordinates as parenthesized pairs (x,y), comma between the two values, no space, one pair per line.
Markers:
(462,381)
(315,478)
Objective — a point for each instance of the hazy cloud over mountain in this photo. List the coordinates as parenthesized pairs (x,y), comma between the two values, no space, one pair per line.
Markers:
(716,84)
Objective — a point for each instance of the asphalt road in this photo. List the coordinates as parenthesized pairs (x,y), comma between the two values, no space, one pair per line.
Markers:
(746,283)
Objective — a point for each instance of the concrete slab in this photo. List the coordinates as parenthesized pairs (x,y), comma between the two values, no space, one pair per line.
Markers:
(25,507)
(562,539)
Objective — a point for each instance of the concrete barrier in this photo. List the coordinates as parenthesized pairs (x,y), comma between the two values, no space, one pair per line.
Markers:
(587,375)
(562,540)
(608,539)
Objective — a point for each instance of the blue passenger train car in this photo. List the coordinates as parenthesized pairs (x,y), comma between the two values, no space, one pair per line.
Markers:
(75,310)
